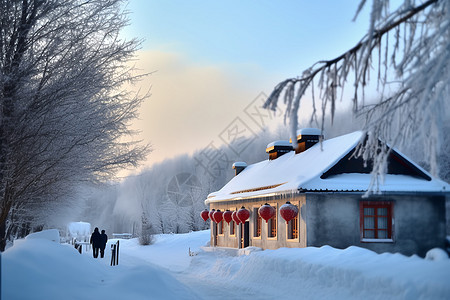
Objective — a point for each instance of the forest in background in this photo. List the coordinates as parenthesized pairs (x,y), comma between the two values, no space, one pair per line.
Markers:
(169,196)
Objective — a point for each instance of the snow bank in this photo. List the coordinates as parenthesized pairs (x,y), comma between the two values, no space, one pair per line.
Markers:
(49,234)
(37,268)
(436,254)
(326,273)
(170,251)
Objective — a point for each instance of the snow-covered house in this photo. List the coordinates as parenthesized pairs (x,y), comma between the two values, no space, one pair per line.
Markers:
(81,231)
(326,183)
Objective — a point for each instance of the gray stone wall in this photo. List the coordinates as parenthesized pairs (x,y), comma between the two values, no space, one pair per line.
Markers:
(419,222)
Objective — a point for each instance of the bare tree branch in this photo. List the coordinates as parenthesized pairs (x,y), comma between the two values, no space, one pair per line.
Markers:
(410,50)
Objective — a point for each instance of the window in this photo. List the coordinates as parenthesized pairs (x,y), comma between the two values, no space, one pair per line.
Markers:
(220,227)
(272,227)
(257,223)
(376,220)
(232,228)
(292,229)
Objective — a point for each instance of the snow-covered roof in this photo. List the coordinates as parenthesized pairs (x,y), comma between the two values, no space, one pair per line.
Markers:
(292,172)
(239,164)
(279,143)
(309,131)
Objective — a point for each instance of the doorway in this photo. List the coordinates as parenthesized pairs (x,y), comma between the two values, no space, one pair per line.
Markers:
(245,235)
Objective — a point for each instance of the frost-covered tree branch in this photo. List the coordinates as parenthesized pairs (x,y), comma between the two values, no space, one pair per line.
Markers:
(407,52)
(64,113)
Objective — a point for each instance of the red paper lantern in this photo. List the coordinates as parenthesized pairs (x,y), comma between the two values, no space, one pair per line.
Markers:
(205,215)
(235,218)
(266,212)
(227,216)
(288,211)
(210,214)
(218,216)
(243,214)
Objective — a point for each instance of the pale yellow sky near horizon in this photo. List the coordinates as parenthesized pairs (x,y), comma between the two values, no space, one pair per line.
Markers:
(212,63)
(191,104)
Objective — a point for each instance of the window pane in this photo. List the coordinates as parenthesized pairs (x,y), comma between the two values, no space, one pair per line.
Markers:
(220,226)
(382,234)
(376,220)
(293,228)
(369,234)
(232,228)
(369,223)
(369,211)
(382,223)
(257,223)
(289,228)
(382,211)
(272,227)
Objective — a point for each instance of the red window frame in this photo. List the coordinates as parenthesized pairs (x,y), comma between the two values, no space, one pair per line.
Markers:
(377,217)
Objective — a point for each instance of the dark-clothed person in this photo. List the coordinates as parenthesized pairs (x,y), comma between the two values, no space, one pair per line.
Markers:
(96,242)
(103,240)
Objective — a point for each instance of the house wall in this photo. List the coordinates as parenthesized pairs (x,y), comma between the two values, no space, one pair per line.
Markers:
(264,241)
(334,219)
(419,222)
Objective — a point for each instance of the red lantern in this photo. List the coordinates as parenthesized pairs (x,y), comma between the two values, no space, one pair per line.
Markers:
(235,218)
(243,214)
(205,215)
(218,216)
(210,214)
(266,212)
(227,216)
(288,211)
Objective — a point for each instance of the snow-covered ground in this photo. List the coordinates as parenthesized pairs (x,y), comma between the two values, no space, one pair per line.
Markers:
(38,268)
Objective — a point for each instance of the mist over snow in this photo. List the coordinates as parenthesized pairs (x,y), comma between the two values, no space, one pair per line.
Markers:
(39,268)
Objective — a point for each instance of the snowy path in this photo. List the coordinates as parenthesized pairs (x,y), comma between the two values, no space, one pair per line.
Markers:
(171,254)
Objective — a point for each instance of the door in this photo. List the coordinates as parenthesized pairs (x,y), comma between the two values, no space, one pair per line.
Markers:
(245,235)
(215,234)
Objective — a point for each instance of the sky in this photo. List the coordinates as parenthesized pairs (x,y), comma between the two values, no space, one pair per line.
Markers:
(213,63)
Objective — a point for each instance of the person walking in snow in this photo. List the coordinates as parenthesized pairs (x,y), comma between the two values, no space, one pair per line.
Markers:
(96,242)
(103,240)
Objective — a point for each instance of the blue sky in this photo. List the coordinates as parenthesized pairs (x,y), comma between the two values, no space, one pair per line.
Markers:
(276,35)
(212,58)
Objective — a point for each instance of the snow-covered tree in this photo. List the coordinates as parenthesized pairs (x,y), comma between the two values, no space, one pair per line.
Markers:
(146,232)
(63,110)
(406,57)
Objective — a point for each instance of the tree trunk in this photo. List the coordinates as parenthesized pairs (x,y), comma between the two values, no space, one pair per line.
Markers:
(6,208)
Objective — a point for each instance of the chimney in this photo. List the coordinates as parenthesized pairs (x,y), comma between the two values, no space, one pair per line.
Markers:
(278,148)
(239,166)
(306,138)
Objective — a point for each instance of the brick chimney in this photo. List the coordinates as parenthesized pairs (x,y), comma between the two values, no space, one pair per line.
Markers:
(278,148)
(239,166)
(306,138)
